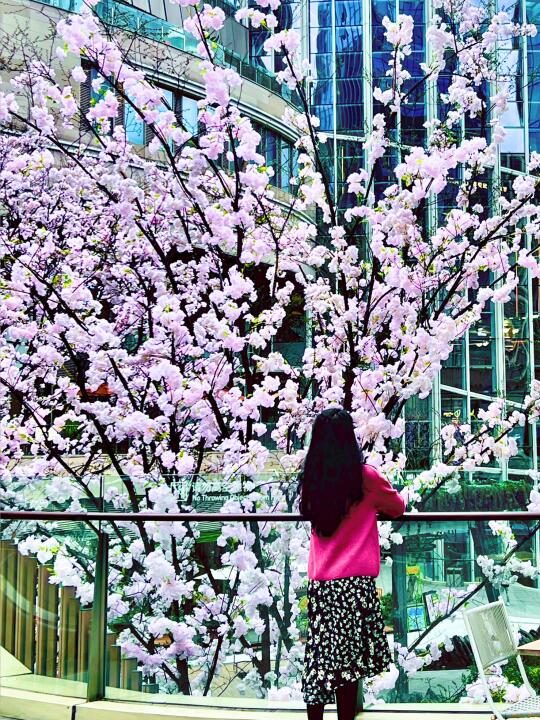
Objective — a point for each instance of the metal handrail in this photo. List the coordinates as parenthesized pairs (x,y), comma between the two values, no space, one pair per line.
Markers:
(252,517)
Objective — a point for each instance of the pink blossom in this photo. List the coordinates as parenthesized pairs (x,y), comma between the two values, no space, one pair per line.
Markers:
(78,74)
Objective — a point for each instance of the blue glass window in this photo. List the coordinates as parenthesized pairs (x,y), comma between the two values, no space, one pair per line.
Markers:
(325,115)
(350,118)
(414,8)
(320,14)
(285,164)
(284,14)
(271,148)
(378,39)
(381,9)
(96,96)
(380,64)
(415,90)
(534,116)
(134,125)
(349,91)
(419,33)
(443,83)
(322,92)
(323,65)
(348,12)
(410,111)
(257,51)
(412,63)
(534,42)
(167,104)
(190,114)
(349,39)
(321,40)
(349,65)
(533,11)
(534,140)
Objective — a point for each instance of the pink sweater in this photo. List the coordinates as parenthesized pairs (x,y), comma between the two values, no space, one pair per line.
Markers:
(354,547)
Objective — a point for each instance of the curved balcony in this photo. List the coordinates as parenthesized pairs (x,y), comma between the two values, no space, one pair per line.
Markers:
(131,19)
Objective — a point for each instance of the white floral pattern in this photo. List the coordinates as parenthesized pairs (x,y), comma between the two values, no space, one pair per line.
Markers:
(346,639)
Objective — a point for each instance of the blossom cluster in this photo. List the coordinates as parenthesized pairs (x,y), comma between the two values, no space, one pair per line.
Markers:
(501,689)
(144,302)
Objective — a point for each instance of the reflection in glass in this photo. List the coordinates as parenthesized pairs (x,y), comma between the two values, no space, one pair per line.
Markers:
(45,630)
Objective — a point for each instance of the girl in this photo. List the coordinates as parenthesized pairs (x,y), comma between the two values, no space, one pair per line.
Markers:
(341,497)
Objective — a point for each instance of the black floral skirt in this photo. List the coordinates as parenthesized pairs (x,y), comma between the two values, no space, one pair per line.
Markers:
(346,639)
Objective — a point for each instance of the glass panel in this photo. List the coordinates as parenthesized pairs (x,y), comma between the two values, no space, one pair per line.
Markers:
(218,629)
(524,438)
(232,618)
(69,5)
(323,65)
(536,336)
(290,339)
(516,340)
(349,13)
(381,9)
(486,491)
(134,125)
(482,354)
(417,434)
(190,114)
(220,609)
(348,38)
(476,421)
(271,155)
(46,576)
(322,92)
(453,371)
(453,408)
(349,118)
(533,80)
(433,576)
(285,169)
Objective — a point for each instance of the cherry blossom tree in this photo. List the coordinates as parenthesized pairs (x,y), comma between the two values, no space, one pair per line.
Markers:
(142,298)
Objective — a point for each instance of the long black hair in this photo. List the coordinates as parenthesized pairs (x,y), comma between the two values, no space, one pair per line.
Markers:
(331,479)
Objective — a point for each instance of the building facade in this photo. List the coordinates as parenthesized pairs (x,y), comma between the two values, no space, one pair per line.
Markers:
(348,52)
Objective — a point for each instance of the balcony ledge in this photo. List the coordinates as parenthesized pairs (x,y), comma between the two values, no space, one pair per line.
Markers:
(25,705)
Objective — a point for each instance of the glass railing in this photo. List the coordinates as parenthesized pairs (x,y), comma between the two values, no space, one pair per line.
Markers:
(192,606)
(131,19)
(45,626)
(259,75)
(436,572)
(68,5)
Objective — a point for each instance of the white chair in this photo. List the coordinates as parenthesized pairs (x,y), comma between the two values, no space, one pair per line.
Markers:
(493,641)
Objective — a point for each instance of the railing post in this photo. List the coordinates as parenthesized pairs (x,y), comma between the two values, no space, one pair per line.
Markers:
(400,619)
(360,697)
(98,629)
